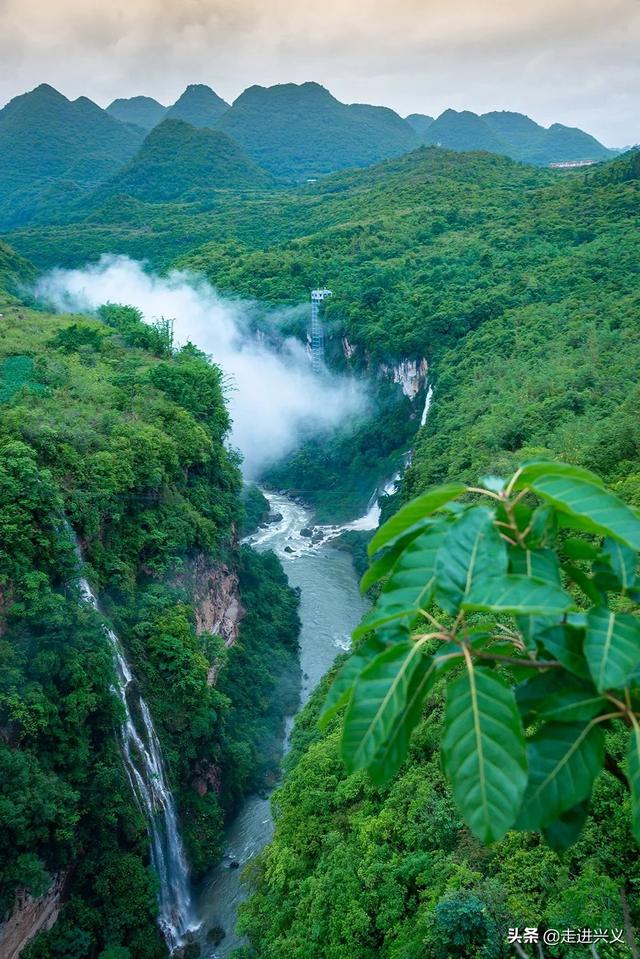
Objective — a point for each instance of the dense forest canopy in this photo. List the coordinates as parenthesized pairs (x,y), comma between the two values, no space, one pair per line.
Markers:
(519,289)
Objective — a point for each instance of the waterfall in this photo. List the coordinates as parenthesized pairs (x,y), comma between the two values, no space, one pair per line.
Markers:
(427,406)
(146,771)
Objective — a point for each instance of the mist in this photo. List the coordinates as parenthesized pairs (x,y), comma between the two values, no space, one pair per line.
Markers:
(275,400)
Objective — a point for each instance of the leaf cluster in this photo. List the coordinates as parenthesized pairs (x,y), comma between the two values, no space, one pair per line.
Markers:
(520,597)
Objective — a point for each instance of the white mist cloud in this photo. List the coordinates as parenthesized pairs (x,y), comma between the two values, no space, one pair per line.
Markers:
(275,399)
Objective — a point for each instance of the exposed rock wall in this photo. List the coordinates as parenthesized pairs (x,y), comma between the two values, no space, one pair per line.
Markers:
(214,589)
(29,917)
(411,375)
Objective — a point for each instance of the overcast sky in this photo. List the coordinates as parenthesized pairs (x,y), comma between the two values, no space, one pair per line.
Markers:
(570,61)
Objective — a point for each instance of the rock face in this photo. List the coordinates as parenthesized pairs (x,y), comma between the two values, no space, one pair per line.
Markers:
(214,589)
(207,776)
(348,348)
(411,375)
(29,917)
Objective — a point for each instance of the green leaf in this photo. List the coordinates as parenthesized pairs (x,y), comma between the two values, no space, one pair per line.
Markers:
(381,567)
(575,702)
(565,643)
(532,693)
(597,509)
(564,760)
(633,775)
(616,568)
(579,549)
(544,525)
(471,548)
(379,696)
(412,513)
(410,587)
(532,627)
(394,750)
(611,647)
(538,563)
(483,752)
(584,582)
(534,469)
(343,683)
(518,595)
(565,830)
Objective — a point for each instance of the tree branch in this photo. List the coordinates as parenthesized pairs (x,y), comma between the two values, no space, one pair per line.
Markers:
(514,661)
(612,767)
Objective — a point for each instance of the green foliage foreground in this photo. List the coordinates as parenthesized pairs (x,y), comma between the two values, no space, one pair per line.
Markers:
(521,599)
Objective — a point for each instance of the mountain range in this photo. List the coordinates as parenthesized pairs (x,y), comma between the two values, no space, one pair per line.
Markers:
(511,134)
(55,152)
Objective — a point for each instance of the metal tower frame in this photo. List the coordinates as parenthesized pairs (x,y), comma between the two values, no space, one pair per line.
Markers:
(317,331)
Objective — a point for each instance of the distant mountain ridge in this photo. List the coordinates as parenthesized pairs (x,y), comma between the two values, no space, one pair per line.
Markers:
(55,152)
(144,112)
(53,148)
(302,130)
(511,134)
(43,135)
(199,105)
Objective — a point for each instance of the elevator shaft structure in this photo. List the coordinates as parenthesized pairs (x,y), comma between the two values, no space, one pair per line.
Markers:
(317,331)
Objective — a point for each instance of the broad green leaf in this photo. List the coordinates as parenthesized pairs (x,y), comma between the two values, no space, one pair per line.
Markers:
(579,549)
(379,696)
(394,750)
(576,702)
(410,587)
(471,548)
(344,681)
(564,760)
(565,830)
(537,563)
(565,643)
(611,647)
(633,775)
(532,693)
(517,595)
(616,568)
(532,627)
(483,752)
(381,567)
(535,469)
(597,509)
(544,526)
(412,513)
(586,584)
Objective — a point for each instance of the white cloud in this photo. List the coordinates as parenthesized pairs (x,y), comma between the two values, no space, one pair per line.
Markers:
(275,399)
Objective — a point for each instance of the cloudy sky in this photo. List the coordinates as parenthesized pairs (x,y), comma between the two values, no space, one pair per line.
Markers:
(572,61)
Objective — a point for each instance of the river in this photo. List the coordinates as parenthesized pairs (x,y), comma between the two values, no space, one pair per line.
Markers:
(330,608)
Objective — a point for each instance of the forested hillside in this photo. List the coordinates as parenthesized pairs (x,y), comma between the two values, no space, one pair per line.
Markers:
(51,149)
(358,870)
(113,436)
(419,252)
(180,161)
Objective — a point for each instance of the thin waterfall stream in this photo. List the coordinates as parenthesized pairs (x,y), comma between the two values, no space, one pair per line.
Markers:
(330,609)
(145,768)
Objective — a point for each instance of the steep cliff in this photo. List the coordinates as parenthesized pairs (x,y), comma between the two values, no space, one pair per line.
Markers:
(29,917)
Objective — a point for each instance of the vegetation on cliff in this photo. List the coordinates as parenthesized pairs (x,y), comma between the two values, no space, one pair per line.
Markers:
(106,426)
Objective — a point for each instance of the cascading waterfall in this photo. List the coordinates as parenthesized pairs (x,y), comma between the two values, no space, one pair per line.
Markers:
(147,775)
